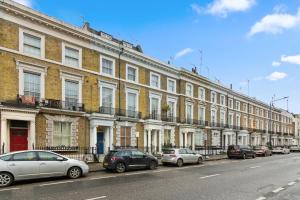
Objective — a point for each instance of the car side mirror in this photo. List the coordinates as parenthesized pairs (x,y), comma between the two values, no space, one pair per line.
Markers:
(59,159)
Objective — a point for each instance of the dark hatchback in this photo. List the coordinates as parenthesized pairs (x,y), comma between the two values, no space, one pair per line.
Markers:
(124,159)
(240,151)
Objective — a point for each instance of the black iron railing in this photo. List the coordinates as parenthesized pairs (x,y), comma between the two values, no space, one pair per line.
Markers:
(63,105)
(106,110)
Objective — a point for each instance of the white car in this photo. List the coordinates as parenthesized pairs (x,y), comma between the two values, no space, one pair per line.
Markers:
(23,165)
(281,150)
(180,157)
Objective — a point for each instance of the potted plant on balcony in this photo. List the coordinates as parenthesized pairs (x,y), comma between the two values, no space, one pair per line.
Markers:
(165,108)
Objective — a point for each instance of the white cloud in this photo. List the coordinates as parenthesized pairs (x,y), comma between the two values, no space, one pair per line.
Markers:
(276,64)
(291,59)
(183,52)
(276,76)
(275,23)
(223,7)
(196,8)
(27,3)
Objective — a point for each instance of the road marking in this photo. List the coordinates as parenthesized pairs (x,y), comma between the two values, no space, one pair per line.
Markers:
(163,170)
(56,183)
(102,197)
(137,173)
(261,198)
(8,189)
(102,177)
(291,183)
(254,167)
(278,190)
(203,177)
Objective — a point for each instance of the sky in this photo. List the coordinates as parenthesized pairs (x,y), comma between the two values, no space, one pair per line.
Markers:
(251,44)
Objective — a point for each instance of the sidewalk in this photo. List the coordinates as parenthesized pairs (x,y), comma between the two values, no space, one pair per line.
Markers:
(95,167)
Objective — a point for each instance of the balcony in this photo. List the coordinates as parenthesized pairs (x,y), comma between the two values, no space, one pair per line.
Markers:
(168,117)
(107,110)
(130,113)
(63,105)
(154,116)
(21,101)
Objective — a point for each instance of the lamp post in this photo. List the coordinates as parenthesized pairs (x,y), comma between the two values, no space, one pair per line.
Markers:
(270,118)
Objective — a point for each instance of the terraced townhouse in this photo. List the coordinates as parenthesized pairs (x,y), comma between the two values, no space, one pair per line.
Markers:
(65,88)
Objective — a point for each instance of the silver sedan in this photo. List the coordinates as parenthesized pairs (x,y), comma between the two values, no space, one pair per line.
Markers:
(36,164)
(180,156)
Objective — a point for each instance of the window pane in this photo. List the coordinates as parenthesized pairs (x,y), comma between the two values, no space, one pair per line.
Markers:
(171,86)
(131,74)
(32,85)
(71,56)
(71,93)
(154,105)
(107,97)
(125,136)
(32,44)
(131,98)
(154,80)
(107,66)
(46,156)
(62,134)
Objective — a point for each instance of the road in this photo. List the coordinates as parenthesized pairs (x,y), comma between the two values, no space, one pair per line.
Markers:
(276,178)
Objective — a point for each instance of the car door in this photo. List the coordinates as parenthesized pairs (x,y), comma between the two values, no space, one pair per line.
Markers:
(51,164)
(192,157)
(24,165)
(184,156)
(138,159)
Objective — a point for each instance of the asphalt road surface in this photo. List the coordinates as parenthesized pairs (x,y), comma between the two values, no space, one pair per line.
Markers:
(276,177)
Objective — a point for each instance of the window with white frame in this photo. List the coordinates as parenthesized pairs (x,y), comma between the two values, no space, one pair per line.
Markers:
(251,123)
(32,85)
(71,93)
(222,118)
(62,134)
(237,105)
(261,112)
(132,73)
(107,97)
(245,107)
(257,124)
(172,108)
(107,66)
(245,124)
(71,55)
(132,103)
(251,109)
(189,90)
(31,43)
(154,80)
(154,105)
(189,112)
(222,100)
(257,111)
(202,114)
(230,103)
(238,120)
(261,125)
(230,119)
(213,97)
(202,94)
(171,85)
(213,117)
(125,136)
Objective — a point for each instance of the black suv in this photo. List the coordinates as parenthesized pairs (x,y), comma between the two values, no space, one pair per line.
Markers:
(240,151)
(121,160)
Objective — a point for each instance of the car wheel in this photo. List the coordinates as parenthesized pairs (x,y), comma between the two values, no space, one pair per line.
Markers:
(152,165)
(244,156)
(120,167)
(6,179)
(74,172)
(179,162)
(200,160)
(254,156)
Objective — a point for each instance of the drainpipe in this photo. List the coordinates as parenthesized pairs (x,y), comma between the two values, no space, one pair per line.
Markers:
(120,53)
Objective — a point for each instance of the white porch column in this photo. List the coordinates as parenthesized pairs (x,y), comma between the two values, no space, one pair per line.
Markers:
(4,137)
(149,140)
(111,137)
(106,139)
(93,136)
(155,140)
(173,136)
(185,140)
(181,135)
(31,136)
(193,141)
(160,137)
(145,139)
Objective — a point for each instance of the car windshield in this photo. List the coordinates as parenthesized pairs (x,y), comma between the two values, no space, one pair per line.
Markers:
(257,148)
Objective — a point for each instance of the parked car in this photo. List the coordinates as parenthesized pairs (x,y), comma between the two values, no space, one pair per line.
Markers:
(262,151)
(180,156)
(125,159)
(36,164)
(281,150)
(240,151)
(295,148)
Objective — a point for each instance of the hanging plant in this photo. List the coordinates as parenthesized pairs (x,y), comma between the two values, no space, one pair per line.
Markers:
(165,107)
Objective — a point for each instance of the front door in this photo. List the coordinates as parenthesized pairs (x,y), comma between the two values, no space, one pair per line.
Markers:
(18,139)
(100,143)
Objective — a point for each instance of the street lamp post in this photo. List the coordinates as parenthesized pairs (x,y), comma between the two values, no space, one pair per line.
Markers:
(270,118)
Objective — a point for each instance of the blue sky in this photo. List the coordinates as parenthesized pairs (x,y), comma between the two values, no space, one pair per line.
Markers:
(240,40)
